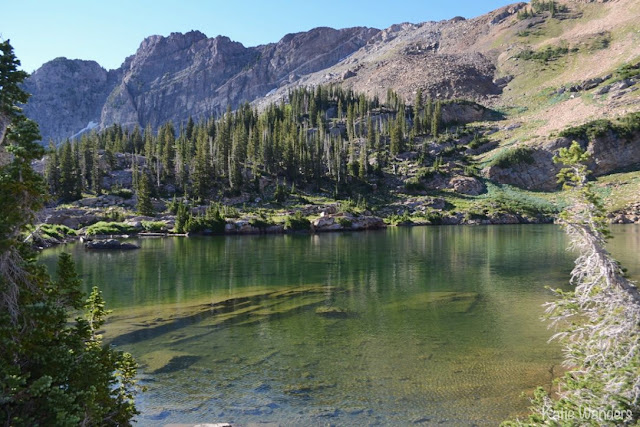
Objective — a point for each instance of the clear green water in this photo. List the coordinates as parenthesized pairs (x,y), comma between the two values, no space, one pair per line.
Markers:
(424,325)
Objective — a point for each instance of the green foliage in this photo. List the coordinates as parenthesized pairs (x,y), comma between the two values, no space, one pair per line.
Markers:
(603,41)
(109,228)
(414,184)
(597,321)
(345,222)
(125,193)
(297,222)
(628,71)
(281,193)
(624,127)
(182,218)
(144,205)
(511,157)
(211,221)
(396,219)
(260,223)
(478,141)
(154,226)
(59,372)
(550,53)
(53,370)
(56,231)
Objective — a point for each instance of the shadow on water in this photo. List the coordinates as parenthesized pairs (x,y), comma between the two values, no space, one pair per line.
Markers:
(233,311)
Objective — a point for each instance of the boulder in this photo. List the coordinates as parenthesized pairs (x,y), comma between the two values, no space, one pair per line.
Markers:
(111,244)
(467,185)
(367,223)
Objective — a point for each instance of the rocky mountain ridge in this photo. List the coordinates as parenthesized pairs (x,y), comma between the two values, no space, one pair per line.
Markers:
(172,78)
(545,71)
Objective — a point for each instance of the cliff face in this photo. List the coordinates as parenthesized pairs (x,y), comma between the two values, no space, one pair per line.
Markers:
(67,96)
(172,78)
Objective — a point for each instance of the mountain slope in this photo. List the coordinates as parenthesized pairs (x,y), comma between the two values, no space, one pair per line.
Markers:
(172,78)
(484,59)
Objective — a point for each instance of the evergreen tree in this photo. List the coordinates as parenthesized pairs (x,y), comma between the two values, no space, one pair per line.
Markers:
(417,109)
(68,184)
(598,320)
(396,144)
(52,170)
(143,193)
(53,370)
(363,163)
(96,170)
(436,119)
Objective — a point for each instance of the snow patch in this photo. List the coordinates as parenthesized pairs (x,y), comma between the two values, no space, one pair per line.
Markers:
(92,125)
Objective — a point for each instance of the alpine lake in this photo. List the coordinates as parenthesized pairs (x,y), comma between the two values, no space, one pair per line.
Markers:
(406,325)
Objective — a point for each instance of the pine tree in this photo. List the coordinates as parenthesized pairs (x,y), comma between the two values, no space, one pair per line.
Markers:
(52,170)
(417,109)
(396,145)
(436,119)
(96,170)
(363,162)
(53,370)
(143,193)
(68,184)
(598,320)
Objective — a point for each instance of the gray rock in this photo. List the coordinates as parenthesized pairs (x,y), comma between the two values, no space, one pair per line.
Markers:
(109,244)
(467,185)
(172,78)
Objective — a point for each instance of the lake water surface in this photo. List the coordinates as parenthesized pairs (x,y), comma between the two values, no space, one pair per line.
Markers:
(408,325)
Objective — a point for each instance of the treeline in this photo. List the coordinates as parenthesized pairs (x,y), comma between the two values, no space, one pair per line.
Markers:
(318,136)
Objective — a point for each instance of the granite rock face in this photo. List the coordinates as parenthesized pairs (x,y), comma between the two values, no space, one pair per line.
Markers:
(67,96)
(172,78)
(608,154)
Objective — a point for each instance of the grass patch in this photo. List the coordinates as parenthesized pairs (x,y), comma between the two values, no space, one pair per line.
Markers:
(154,226)
(513,156)
(550,53)
(297,222)
(56,231)
(624,127)
(103,227)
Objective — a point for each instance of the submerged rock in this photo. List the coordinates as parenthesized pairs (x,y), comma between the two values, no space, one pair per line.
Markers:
(332,312)
(166,361)
(109,244)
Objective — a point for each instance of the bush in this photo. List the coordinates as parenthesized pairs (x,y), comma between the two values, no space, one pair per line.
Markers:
(212,220)
(545,55)
(297,222)
(125,193)
(154,226)
(512,157)
(260,223)
(281,194)
(109,228)
(624,128)
(413,184)
(345,222)
(56,231)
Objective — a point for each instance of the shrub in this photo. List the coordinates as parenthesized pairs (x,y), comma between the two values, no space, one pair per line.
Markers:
(56,231)
(297,222)
(281,194)
(260,223)
(345,222)
(154,226)
(624,128)
(512,157)
(109,228)
(212,220)
(125,193)
(548,54)
(413,184)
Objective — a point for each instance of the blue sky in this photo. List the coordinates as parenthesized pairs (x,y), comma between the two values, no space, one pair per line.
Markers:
(109,31)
